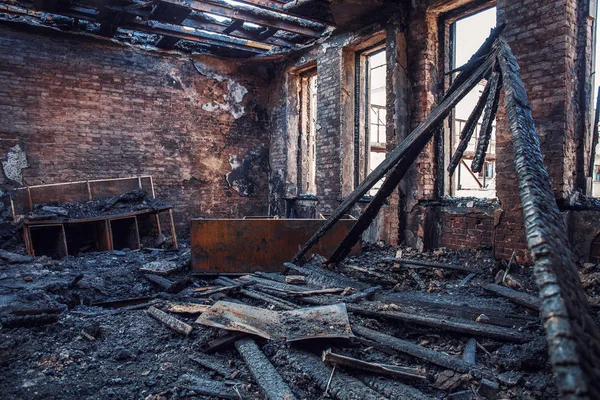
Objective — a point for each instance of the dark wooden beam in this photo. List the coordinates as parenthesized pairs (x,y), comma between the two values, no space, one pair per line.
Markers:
(282,8)
(216,26)
(234,26)
(250,14)
(489,116)
(194,35)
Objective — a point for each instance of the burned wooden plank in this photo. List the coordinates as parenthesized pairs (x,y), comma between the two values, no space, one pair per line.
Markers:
(28,321)
(489,116)
(365,294)
(385,369)
(212,363)
(221,342)
(169,321)
(524,299)
(321,277)
(329,321)
(281,303)
(166,284)
(423,353)
(189,308)
(120,303)
(445,323)
(592,161)
(14,258)
(207,387)
(421,134)
(251,14)
(264,373)
(403,262)
(467,133)
(470,352)
(572,334)
(392,389)
(337,384)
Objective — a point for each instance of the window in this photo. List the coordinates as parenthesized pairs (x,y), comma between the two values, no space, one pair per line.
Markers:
(307,146)
(371,123)
(597,174)
(467,34)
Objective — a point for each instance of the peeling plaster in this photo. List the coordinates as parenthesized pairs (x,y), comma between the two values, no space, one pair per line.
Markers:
(232,99)
(16,161)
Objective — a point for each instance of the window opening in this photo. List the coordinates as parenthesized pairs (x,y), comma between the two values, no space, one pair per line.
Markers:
(467,35)
(307,149)
(376,112)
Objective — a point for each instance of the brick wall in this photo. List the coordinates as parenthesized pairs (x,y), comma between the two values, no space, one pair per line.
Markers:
(551,41)
(466,230)
(87,109)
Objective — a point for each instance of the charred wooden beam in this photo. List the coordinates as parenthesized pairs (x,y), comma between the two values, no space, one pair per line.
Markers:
(489,116)
(221,342)
(469,352)
(234,26)
(264,373)
(198,35)
(321,277)
(463,85)
(385,369)
(572,334)
(392,389)
(467,133)
(423,353)
(169,321)
(444,323)
(594,137)
(203,21)
(524,299)
(430,264)
(337,384)
(252,14)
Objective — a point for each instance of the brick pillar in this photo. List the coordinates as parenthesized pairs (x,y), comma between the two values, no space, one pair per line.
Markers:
(543,38)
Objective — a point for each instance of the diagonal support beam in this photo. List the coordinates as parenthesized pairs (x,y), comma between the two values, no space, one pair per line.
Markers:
(487,124)
(571,332)
(467,133)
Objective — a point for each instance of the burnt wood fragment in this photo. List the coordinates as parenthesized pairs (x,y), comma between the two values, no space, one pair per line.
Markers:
(467,132)
(423,353)
(524,299)
(264,373)
(572,335)
(489,115)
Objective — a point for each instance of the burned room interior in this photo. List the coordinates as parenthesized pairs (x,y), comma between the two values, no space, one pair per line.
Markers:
(299,199)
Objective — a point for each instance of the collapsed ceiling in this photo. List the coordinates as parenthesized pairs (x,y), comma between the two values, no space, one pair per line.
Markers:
(240,28)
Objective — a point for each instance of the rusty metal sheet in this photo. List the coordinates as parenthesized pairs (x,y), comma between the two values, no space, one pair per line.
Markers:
(306,323)
(250,245)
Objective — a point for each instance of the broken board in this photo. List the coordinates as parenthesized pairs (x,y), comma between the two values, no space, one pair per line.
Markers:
(238,246)
(305,323)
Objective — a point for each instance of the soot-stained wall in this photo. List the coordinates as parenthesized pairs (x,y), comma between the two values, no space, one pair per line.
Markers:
(86,109)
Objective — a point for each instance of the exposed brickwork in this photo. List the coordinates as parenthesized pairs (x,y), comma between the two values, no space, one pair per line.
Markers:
(84,109)
(466,231)
(552,43)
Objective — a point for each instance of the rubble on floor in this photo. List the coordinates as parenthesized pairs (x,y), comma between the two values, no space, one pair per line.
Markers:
(421,325)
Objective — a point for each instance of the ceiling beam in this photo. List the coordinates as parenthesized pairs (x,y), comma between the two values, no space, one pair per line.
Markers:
(216,26)
(193,34)
(249,14)
(282,8)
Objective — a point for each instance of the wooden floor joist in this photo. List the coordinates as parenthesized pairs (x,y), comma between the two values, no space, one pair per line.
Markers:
(264,373)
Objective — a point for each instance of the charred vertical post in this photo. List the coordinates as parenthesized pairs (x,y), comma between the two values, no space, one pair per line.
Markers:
(571,332)
(487,125)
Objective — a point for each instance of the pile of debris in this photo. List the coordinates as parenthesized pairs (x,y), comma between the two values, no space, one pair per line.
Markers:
(128,202)
(388,324)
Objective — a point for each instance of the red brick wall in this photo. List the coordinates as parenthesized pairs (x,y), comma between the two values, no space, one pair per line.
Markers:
(466,231)
(85,109)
